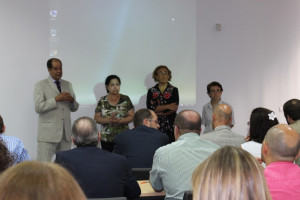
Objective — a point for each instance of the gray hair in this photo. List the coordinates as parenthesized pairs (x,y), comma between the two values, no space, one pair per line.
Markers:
(85,132)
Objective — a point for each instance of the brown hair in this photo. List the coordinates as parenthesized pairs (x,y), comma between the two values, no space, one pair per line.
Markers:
(230,173)
(154,73)
(33,180)
(6,158)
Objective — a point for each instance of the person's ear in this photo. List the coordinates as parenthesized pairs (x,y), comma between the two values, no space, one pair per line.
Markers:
(3,128)
(298,154)
(264,148)
(73,140)
(146,122)
(289,120)
(176,132)
(99,136)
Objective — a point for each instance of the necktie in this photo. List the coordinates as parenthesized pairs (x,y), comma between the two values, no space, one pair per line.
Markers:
(58,86)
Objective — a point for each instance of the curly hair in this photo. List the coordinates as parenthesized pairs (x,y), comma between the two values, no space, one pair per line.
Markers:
(7,159)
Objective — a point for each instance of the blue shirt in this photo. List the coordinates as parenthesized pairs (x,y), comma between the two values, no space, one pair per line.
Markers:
(16,148)
(173,164)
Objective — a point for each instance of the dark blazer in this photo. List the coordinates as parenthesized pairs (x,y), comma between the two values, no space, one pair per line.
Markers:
(138,145)
(100,174)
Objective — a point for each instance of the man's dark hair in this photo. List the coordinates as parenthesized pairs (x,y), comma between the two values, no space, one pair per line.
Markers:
(109,78)
(291,108)
(214,83)
(140,115)
(49,62)
(1,124)
(85,132)
(185,125)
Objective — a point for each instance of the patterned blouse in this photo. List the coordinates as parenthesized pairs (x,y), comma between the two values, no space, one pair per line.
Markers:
(108,131)
(155,98)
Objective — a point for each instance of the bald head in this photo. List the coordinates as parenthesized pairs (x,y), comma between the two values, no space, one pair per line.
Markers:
(283,143)
(188,121)
(85,132)
(222,115)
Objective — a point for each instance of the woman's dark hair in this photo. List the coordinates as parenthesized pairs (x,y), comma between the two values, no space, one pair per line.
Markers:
(260,123)
(109,78)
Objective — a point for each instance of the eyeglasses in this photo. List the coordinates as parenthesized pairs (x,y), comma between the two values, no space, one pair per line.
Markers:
(163,73)
(215,91)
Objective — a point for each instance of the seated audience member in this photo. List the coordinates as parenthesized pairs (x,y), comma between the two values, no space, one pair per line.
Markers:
(174,163)
(6,159)
(261,120)
(101,174)
(214,91)
(32,180)
(14,145)
(238,177)
(291,111)
(222,134)
(138,145)
(279,150)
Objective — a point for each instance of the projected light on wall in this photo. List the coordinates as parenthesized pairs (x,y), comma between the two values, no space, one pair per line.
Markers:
(96,38)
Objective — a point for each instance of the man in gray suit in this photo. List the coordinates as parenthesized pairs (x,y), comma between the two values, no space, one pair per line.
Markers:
(54,99)
(291,111)
(222,134)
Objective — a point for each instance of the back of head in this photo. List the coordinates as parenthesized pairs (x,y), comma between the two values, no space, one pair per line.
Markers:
(1,125)
(292,109)
(188,121)
(237,177)
(85,132)
(283,143)
(140,115)
(222,113)
(261,120)
(6,158)
(32,180)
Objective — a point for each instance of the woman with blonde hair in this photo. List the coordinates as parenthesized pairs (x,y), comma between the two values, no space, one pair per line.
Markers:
(32,180)
(230,173)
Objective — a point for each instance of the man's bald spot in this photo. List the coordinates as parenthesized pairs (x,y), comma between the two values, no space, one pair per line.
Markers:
(223,112)
(191,116)
(84,127)
(283,141)
(188,120)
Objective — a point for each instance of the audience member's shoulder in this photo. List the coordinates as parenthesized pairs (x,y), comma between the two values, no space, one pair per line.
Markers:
(8,138)
(207,135)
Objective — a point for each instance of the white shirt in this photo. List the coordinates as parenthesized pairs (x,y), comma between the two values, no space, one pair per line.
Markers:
(207,112)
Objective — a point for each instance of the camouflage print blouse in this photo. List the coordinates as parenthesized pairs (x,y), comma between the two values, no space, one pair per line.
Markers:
(108,131)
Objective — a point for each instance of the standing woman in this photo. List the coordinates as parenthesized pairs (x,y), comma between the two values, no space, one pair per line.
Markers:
(114,112)
(163,99)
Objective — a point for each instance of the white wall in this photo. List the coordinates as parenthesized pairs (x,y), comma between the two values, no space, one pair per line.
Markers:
(256,57)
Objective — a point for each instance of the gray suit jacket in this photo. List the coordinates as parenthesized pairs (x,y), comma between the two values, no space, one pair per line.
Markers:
(222,136)
(54,117)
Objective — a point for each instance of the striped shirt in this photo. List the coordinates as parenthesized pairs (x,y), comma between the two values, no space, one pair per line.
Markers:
(16,148)
(174,164)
